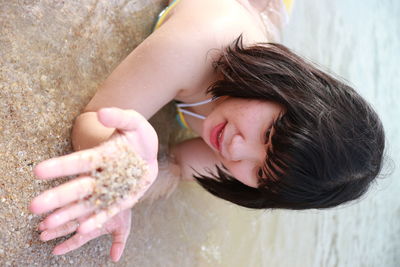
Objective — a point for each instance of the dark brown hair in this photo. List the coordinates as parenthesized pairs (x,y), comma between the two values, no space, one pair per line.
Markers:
(327,147)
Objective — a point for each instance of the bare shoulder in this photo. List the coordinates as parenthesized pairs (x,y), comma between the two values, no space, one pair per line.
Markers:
(194,42)
(208,27)
(218,22)
(175,58)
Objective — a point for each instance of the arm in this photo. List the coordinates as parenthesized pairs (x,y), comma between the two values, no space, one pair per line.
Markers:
(192,155)
(169,61)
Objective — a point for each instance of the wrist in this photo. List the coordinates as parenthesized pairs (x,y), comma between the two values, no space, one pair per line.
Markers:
(173,166)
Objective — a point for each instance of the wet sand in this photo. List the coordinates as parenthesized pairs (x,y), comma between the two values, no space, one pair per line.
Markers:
(53,56)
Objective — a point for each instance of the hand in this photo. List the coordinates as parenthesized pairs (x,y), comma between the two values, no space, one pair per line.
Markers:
(118,226)
(131,129)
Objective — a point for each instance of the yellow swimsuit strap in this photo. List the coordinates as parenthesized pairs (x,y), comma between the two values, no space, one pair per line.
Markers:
(181,119)
(163,15)
(288,5)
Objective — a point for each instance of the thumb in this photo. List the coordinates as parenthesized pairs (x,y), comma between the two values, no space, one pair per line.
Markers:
(120,237)
(127,120)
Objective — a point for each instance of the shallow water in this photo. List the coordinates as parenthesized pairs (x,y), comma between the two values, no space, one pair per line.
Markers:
(360,42)
(191,228)
(363,48)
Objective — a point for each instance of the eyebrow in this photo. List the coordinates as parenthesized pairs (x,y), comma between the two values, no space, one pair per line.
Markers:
(269,131)
(269,143)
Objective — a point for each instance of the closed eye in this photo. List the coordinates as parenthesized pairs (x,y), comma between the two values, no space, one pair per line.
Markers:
(267,135)
(260,173)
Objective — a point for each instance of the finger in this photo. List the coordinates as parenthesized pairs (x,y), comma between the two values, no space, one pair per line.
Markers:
(75,163)
(120,236)
(76,241)
(127,120)
(118,245)
(62,195)
(96,221)
(62,230)
(66,214)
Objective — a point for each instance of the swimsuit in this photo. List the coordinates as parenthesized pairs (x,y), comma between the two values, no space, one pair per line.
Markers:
(283,8)
(179,105)
(180,109)
(163,14)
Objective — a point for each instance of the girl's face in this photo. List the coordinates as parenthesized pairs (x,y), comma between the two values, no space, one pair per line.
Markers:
(239,131)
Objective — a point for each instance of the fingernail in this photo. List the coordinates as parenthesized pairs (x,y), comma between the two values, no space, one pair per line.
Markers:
(118,255)
(56,252)
(43,236)
(42,226)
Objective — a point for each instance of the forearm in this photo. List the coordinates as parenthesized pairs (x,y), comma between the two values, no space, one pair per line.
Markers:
(176,164)
(88,132)
(190,156)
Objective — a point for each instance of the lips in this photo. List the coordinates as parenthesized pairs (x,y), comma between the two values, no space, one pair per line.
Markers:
(216,135)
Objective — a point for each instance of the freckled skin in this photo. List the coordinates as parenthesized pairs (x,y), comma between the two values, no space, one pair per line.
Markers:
(243,149)
(154,73)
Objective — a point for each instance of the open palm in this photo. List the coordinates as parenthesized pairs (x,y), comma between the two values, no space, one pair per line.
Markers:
(68,212)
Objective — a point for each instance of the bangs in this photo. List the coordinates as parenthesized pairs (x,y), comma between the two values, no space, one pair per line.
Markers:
(223,185)
(326,148)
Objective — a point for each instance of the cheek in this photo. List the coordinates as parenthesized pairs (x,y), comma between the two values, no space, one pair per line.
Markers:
(240,113)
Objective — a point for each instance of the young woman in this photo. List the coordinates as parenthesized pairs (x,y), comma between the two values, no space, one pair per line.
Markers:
(274,131)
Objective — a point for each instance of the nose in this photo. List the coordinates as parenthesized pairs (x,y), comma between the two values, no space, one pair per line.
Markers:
(241,149)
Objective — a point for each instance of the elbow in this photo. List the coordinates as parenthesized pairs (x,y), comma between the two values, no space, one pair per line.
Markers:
(88,132)
(76,133)
(81,136)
